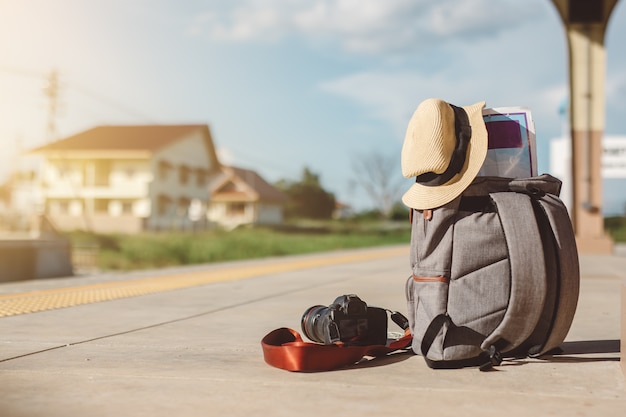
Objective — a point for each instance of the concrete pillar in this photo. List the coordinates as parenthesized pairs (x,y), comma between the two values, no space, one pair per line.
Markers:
(623,333)
(585,25)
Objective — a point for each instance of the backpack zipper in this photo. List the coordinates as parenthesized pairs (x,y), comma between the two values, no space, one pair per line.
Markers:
(441,279)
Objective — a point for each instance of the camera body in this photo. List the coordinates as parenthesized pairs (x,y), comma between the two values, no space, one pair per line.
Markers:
(349,320)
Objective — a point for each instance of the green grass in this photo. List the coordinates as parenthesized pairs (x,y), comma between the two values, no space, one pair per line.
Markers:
(155,250)
(616,226)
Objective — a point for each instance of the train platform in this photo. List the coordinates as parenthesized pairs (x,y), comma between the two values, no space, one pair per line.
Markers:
(186,342)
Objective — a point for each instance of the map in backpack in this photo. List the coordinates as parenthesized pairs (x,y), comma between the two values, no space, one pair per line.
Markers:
(512,149)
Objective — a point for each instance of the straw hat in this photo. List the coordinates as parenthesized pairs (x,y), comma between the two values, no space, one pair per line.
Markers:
(444,148)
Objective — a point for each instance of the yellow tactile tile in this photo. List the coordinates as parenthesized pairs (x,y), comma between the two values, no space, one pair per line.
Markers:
(31,302)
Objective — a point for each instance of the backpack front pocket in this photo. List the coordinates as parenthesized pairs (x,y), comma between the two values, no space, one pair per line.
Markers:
(427,298)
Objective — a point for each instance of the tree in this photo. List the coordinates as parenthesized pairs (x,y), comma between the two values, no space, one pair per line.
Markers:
(307,198)
(380,176)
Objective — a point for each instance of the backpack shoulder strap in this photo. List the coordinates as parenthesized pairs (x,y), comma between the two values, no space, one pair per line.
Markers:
(568,270)
(528,272)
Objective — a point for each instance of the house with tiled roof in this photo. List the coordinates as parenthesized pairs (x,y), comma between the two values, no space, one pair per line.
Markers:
(129,178)
(242,197)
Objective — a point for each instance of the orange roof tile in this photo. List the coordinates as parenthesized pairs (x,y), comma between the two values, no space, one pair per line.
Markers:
(263,190)
(132,137)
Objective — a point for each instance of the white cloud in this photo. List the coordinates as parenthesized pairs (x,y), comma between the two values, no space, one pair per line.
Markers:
(478,17)
(364,26)
(387,96)
(519,67)
(240,24)
(393,96)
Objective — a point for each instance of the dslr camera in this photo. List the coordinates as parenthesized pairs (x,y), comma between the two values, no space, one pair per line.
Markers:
(349,320)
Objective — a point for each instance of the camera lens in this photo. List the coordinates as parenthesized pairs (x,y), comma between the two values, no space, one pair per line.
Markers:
(312,326)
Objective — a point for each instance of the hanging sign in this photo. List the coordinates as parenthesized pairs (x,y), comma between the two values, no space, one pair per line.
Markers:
(614,157)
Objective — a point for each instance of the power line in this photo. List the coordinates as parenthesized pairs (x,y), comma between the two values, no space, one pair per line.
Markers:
(22,72)
(52,87)
(113,103)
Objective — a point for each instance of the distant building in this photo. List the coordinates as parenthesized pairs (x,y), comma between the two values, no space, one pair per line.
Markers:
(342,211)
(128,178)
(613,172)
(241,197)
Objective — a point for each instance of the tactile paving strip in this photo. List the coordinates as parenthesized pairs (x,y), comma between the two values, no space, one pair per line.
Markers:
(31,302)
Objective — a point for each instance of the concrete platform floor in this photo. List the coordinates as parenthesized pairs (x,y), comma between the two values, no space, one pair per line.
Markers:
(195,350)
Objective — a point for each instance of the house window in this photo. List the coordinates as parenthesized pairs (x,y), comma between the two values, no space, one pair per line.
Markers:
(201,176)
(164,169)
(120,207)
(236,209)
(183,174)
(183,206)
(163,204)
(101,205)
(127,207)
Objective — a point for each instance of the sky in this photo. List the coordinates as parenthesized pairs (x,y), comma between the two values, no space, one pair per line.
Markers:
(287,84)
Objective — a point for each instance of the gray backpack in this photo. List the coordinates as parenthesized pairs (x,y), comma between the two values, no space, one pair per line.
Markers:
(494,274)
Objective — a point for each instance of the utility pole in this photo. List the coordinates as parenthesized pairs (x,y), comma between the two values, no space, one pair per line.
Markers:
(51,90)
(585,23)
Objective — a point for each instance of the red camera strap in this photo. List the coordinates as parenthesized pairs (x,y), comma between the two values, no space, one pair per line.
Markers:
(285,349)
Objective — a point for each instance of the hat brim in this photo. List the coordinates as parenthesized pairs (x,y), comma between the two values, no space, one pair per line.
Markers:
(423,197)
